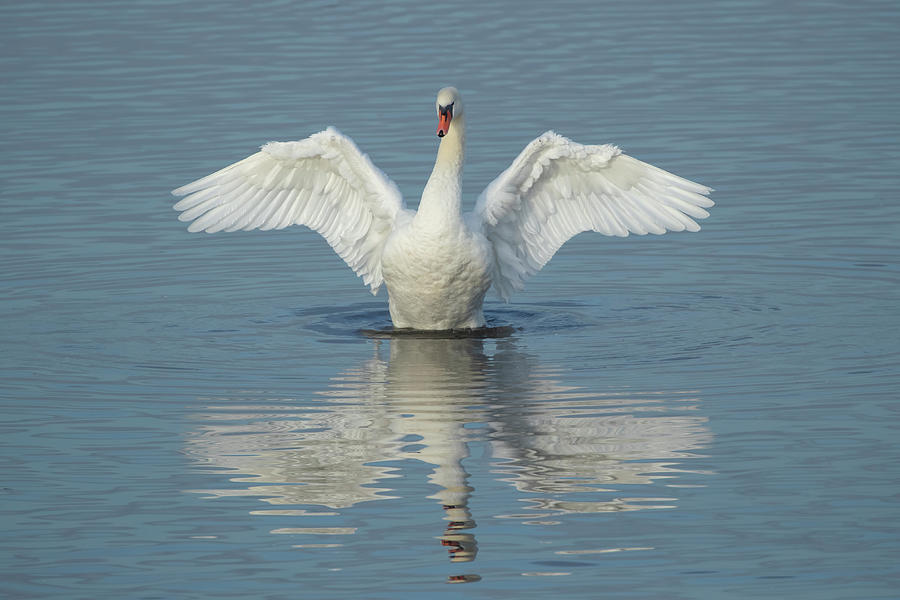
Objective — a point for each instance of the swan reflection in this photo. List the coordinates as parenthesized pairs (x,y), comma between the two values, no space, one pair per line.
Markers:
(428,399)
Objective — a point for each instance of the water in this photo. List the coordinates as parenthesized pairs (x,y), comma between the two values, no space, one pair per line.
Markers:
(688,416)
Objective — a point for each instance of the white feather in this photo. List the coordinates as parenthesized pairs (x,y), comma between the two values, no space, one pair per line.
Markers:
(324,182)
(557,188)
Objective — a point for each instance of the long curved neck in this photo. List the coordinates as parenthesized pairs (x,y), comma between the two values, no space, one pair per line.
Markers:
(442,195)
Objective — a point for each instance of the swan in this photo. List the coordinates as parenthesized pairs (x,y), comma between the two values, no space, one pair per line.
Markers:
(438,263)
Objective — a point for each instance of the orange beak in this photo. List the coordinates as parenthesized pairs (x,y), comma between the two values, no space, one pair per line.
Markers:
(444,122)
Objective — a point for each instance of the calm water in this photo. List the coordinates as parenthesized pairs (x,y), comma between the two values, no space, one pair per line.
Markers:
(711,415)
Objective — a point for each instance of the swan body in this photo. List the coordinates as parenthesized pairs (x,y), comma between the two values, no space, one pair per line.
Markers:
(438,263)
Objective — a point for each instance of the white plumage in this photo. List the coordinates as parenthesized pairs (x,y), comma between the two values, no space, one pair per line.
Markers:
(323,182)
(438,263)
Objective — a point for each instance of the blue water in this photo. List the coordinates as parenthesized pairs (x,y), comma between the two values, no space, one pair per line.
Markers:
(708,415)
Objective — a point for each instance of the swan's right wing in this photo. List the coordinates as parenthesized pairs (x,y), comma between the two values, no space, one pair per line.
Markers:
(557,188)
(323,182)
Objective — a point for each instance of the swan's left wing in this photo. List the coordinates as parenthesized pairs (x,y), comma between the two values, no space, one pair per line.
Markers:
(557,188)
(323,182)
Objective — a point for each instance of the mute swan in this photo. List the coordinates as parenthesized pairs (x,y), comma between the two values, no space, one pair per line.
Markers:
(438,263)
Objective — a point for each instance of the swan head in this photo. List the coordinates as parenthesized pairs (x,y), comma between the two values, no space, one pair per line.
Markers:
(449,105)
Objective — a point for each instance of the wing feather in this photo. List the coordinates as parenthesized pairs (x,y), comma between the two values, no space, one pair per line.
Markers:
(323,182)
(557,188)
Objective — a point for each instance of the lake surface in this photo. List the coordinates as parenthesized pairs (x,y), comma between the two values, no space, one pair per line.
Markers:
(709,415)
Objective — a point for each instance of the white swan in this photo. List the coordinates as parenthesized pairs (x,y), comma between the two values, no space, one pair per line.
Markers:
(438,263)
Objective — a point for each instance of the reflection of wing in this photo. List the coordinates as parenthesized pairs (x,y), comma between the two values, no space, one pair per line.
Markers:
(333,454)
(557,188)
(551,439)
(572,449)
(323,182)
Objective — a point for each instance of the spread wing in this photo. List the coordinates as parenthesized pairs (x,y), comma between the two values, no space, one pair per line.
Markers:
(323,182)
(557,188)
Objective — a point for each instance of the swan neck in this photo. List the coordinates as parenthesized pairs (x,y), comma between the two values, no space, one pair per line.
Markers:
(452,149)
(442,195)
